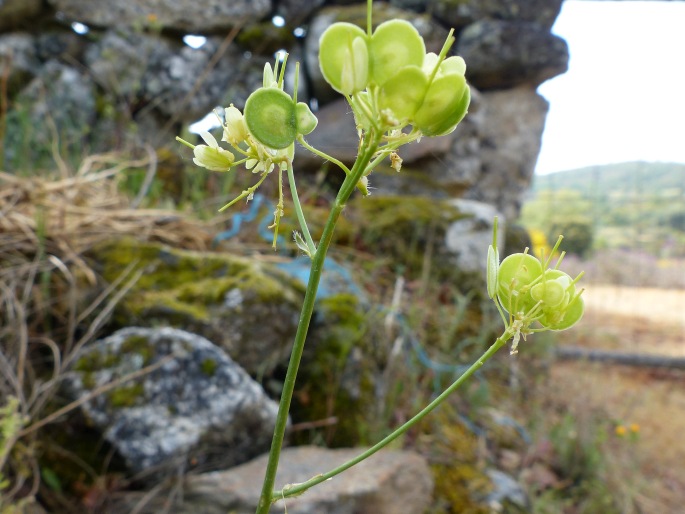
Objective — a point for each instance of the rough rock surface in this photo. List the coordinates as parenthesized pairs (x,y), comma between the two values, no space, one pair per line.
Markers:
(18,59)
(505,54)
(458,13)
(17,13)
(199,406)
(247,308)
(196,16)
(162,73)
(390,482)
(512,125)
(467,239)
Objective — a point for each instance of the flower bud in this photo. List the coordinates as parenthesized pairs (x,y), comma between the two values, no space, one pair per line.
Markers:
(235,129)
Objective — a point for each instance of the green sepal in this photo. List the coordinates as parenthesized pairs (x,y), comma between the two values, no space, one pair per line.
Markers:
(270,114)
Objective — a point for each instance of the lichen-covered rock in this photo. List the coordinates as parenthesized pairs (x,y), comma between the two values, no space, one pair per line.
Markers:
(390,482)
(162,73)
(248,308)
(199,406)
(190,16)
(505,54)
(458,13)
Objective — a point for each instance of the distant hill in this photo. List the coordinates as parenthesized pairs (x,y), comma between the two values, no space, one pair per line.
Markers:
(629,178)
(637,205)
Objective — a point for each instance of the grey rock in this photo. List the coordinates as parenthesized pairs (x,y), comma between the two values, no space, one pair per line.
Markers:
(18,60)
(511,133)
(504,54)
(296,12)
(199,406)
(507,493)
(434,36)
(18,13)
(390,482)
(164,73)
(67,47)
(458,13)
(189,16)
(58,105)
(467,239)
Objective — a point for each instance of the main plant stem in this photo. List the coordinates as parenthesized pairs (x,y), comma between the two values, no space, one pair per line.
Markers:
(296,489)
(367,151)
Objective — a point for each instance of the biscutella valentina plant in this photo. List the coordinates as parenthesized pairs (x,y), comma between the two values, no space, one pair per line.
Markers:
(398,93)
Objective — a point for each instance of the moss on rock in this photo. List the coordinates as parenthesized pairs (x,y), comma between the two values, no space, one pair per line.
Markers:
(248,308)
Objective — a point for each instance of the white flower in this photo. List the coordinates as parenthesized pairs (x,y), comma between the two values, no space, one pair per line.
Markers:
(211,155)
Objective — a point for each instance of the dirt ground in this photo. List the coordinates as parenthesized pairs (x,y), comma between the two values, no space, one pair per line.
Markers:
(650,469)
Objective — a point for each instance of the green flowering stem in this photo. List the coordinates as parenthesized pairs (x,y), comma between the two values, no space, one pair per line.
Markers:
(298,211)
(325,156)
(367,150)
(246,193)
(297,489)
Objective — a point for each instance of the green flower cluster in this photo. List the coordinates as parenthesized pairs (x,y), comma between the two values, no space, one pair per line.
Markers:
(264,135)
(531,292)
(388,75)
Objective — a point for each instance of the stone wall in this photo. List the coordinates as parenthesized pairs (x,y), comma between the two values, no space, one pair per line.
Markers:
(100,74)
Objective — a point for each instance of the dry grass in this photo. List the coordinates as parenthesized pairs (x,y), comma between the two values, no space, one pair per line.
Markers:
(67,215)
(46,226)
(651,469)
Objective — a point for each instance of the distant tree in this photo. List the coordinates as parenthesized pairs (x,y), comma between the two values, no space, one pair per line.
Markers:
(578,236)
(677,221)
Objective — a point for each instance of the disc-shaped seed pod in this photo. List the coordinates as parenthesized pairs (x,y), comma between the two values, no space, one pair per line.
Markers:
(403,92)
(394,45)
(515,275)
(270,114)
(444,105)
(344,57)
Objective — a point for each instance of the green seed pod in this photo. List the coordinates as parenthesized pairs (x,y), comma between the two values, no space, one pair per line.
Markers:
(515,275)
(550,292)
(344,57)
(394,45)
(444,106)
(270,115)
(492,270)
(561,319)
(305,120)
(403,92)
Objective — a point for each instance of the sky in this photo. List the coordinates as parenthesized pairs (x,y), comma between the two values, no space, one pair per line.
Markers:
(623,97)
